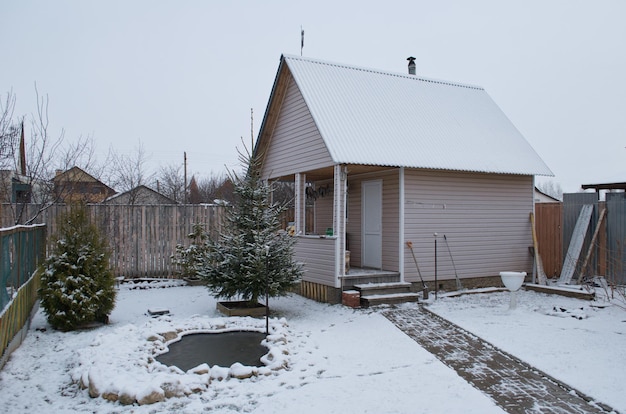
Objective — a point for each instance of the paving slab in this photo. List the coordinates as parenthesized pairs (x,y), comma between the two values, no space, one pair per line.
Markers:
(512,384)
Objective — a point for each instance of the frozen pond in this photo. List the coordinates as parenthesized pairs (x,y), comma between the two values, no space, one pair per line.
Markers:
(223,349)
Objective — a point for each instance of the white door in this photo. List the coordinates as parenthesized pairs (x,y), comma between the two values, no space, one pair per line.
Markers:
(372,226)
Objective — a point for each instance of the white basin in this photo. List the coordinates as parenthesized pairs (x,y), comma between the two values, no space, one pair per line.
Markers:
(512,280)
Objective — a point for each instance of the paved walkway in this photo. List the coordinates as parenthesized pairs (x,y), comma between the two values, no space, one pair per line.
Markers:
(514,385)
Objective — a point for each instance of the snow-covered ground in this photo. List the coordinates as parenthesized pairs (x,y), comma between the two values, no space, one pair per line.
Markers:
(325,358)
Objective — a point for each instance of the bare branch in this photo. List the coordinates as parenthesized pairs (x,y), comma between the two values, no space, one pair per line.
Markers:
(9,132)
(29,194)
(129,171)
(171,182)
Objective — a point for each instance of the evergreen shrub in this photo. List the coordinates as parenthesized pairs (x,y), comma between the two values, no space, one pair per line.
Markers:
(77,285)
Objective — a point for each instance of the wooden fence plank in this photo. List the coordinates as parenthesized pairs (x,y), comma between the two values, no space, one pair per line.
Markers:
(548,222)
(576,244)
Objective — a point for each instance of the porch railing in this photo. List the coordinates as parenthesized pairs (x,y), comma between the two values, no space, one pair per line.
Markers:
(318,255)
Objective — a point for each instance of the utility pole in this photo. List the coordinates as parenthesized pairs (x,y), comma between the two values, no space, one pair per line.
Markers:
(185,166)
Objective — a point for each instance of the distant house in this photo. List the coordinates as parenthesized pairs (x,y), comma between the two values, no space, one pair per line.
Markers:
(140,195)
(389,158)
(15,185)
(14,188)
(77,185)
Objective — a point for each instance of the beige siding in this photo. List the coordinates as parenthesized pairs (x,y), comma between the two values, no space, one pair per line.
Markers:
(391,225)
(485,218)
(390,218)
(295,144)
(318,256)
(353,224)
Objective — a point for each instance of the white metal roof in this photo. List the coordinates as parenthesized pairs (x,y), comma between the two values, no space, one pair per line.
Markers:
(372,117)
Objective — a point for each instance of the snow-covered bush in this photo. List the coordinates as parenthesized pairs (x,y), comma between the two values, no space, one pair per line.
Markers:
(77,285)
(252,253)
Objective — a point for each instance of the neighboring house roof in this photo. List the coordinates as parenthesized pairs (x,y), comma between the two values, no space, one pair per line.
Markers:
(372,117)
(541,197)
(75,183)
(76,174)
(139,195)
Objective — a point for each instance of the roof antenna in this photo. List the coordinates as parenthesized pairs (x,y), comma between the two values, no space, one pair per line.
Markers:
(301,40)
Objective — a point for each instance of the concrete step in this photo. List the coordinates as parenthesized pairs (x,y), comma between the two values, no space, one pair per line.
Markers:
(388,299)
(368,289)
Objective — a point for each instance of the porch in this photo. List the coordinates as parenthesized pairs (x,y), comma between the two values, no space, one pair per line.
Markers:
(351,237)
(325,281)
(327,261)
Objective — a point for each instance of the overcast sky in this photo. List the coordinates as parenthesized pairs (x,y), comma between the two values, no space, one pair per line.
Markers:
(183,75)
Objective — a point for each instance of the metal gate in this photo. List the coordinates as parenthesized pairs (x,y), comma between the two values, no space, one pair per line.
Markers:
(555,224)
(616,238)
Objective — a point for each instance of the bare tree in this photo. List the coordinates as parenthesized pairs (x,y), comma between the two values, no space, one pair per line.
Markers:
(216,187)
(29,164)
(171,182)
(129,171)
(9,131)
(551,188)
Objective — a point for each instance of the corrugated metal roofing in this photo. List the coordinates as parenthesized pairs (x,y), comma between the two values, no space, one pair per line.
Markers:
(379,118)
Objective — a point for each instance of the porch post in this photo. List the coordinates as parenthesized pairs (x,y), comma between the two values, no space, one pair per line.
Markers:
(339,220)
(300,203)
(401,225)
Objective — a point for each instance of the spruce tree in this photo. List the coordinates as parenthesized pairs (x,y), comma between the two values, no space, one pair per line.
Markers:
(77,285)
(252,253)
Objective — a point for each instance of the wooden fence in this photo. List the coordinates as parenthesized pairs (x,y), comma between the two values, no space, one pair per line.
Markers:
(142,238)
(549,218)
(22,249)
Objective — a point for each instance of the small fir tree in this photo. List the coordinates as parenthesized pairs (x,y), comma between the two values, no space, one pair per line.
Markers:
(77,285)
(251,254)
(192,258)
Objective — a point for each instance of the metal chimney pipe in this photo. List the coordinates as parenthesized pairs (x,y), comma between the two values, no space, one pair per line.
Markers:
(411,60)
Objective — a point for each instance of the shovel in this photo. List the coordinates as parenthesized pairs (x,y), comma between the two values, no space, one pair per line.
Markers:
(425,288)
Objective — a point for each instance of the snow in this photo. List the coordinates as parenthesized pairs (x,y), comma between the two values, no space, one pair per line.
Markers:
(322,358)
(573,340)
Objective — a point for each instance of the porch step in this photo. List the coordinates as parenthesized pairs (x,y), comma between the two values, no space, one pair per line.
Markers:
(385,293)
(388,299)
(383,288)
(364,277)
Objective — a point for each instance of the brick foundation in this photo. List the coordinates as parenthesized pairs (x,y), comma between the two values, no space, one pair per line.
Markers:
(351,298)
